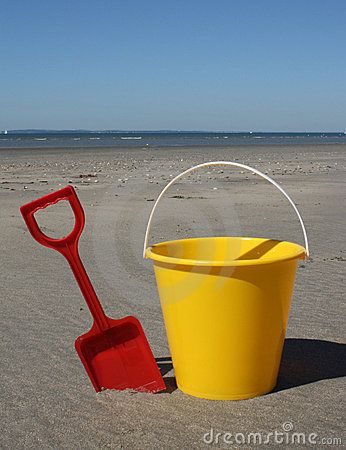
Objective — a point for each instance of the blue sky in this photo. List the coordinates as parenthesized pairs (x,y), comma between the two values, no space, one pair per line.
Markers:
(266,65)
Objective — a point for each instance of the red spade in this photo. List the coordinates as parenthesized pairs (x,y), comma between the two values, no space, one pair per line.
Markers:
(115,353)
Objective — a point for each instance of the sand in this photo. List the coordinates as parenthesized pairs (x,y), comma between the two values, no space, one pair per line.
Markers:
(47,400)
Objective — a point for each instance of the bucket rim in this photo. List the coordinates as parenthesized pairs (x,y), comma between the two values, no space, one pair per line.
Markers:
(300,253)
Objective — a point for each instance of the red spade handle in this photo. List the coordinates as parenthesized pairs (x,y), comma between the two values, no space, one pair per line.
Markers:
(28,211)
(68,245)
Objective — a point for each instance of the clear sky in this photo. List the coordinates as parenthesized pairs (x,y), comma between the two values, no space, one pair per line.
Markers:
(267,65)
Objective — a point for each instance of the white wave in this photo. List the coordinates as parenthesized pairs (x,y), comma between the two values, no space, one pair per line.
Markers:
(131,137)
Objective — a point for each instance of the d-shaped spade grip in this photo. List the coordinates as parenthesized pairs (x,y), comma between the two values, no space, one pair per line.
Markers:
(224,163)
(28,212)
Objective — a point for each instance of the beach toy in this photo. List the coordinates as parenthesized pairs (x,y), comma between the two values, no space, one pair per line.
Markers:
(225,303)
(115,353)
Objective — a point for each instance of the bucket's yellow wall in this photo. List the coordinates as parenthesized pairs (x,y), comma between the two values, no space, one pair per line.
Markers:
(226,325)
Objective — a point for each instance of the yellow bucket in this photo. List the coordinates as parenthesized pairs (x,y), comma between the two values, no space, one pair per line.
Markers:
(225,303)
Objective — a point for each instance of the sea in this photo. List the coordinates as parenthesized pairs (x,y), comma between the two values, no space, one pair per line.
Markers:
(121,139)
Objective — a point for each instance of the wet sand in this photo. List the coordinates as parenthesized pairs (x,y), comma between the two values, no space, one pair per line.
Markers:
(47,400)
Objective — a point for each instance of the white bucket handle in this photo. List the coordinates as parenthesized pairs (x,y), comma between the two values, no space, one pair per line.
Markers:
(223,163)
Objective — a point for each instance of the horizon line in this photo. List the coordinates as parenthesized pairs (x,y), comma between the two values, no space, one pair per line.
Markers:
(161,130)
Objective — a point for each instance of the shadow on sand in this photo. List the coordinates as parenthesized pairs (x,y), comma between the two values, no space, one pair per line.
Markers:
(165,366)
(303,361)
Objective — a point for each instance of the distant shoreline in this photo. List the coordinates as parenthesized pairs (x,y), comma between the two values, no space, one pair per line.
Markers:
(163,139)
(84,131)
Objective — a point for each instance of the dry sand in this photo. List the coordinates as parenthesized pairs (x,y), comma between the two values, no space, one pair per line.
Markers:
(46,398)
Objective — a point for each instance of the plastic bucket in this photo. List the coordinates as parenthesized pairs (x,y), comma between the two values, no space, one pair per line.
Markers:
(225,303)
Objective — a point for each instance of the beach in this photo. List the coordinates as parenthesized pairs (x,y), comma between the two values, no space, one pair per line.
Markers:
(47,400)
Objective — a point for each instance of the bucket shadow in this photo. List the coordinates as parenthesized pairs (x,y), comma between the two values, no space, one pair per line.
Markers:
(306,361)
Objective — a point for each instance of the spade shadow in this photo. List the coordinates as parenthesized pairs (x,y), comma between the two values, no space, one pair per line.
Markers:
(165,365)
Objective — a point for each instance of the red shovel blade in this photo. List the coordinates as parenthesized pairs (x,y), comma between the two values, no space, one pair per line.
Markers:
(120,357)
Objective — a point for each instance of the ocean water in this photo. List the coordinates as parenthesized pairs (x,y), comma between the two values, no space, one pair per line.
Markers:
(67,139)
